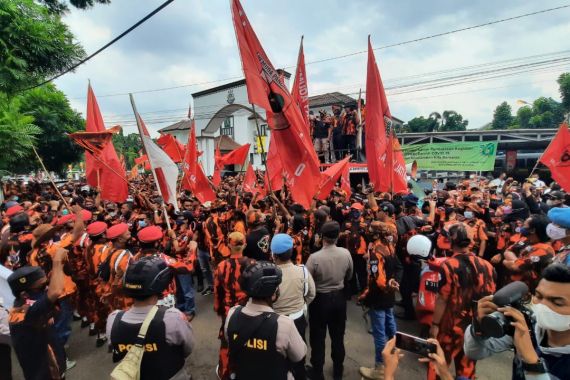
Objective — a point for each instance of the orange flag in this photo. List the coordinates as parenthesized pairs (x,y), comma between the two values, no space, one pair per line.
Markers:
(112,177)
(300,91)
(330,176)
(194,178)
(557,157)
(376,108)
(174,148)
(264,88)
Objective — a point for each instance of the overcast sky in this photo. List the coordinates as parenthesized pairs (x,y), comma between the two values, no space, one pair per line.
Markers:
(193,41)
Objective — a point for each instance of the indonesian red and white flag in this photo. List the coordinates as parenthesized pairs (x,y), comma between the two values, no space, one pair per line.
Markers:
(300,90)
(164,169)
(293,143)
(194,178)
(376,139)
(330,176)
(557,157)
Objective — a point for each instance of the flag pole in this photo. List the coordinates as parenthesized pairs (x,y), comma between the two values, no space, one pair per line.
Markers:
(50,178)
(150,162)
(262,148)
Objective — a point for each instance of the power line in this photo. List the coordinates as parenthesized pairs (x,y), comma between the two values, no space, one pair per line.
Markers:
(116,39)
(353,53)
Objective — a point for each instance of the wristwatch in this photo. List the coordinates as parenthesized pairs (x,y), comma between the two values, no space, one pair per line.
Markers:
(538,367)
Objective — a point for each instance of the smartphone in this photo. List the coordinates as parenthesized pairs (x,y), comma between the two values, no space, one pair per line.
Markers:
(414,344)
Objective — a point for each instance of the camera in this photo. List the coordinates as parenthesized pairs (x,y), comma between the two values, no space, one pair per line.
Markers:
(496,324)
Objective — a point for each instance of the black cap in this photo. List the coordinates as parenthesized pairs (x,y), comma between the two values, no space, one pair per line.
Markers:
(411,200)
(555,195)
(23,278)
(330,230)
(147,276)
(260,279)
(387,208)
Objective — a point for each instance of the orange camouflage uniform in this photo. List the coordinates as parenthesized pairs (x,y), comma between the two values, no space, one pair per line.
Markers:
(464,278)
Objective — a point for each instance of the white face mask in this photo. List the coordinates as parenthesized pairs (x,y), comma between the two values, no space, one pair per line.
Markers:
(468,214)
(550,203)
(548,319)
(555,232)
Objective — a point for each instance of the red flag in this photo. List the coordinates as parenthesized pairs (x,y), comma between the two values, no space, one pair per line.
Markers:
(194,178)
(345,181)
(174,148)
(250,181)
(112,177)
(300,90)
(217,176)
(397,163)
(292,142)
(236,156)
(94,142)
(557,157)
(330,176)
(164,169)
(274,175)
(376,108)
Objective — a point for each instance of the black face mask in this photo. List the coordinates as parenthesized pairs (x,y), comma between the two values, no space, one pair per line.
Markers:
(354,214)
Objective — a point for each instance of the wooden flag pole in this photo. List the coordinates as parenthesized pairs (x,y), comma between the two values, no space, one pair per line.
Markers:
(50,178)
(150,163)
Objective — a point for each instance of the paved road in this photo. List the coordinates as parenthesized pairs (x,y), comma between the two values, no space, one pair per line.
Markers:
(95,363)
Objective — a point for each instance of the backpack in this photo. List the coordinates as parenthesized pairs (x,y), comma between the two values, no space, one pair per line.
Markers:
(104,268)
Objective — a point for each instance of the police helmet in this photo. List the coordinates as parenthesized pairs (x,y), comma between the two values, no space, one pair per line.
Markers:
(19,222)
(419,246)
(146,277)
(260,279)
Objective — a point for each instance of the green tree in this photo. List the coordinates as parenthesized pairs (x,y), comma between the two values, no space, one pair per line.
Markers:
(453,121)
(420,125)
(17,133)
(564,83)
(522,120)
(128,146)
(59,7)
(34,44)
(436,117)
(503,116)
(52,113)
(547,113)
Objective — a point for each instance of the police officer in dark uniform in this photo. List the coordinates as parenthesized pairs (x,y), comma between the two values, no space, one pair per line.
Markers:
(262,343)
(169,339)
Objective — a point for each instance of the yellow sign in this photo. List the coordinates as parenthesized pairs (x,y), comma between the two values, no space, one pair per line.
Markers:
(259,142)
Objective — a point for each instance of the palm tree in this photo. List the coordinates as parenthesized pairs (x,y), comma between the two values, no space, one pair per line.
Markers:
(436,117)
(17,133)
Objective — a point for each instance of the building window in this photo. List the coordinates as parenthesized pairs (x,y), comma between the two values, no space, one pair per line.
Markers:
(227,128)
(263,158)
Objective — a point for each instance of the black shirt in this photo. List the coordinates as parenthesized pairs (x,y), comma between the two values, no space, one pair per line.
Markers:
(320,130)
(33,333)
(257,244)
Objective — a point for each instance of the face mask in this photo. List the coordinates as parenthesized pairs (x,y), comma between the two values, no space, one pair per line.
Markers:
(389,238)
(468,214)
(555,232)
(524,231)
(355,214)
(551,203)
(548,319)
(518,230)
(507,210)
(142,223)
(64,212)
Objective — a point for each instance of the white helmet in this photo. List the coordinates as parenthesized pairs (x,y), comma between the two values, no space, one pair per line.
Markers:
(420,246)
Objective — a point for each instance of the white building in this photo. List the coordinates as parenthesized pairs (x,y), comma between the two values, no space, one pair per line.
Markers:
(224,118)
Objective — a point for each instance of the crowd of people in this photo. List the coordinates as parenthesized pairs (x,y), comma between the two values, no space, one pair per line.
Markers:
(274,268)
(336,135)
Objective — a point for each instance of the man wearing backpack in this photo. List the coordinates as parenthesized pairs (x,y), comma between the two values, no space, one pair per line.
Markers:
(119,235)
(169,339)
(98,256)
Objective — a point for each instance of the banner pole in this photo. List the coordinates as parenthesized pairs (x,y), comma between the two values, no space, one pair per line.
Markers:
(262,148)
(50,178)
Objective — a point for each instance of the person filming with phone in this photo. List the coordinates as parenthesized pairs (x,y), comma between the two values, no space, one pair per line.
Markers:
(539,331)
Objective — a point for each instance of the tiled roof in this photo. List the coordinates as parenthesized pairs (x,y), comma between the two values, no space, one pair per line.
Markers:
(182,125)
(330,99)
(226,143)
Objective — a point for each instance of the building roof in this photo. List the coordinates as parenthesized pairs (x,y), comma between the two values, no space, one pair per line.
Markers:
(182,125)
(330,99)
(227,86)
(226,143)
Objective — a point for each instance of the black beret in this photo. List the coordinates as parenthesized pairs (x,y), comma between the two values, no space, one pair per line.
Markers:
(23,278)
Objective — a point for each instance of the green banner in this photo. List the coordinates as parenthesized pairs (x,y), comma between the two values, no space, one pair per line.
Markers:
(459,156)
